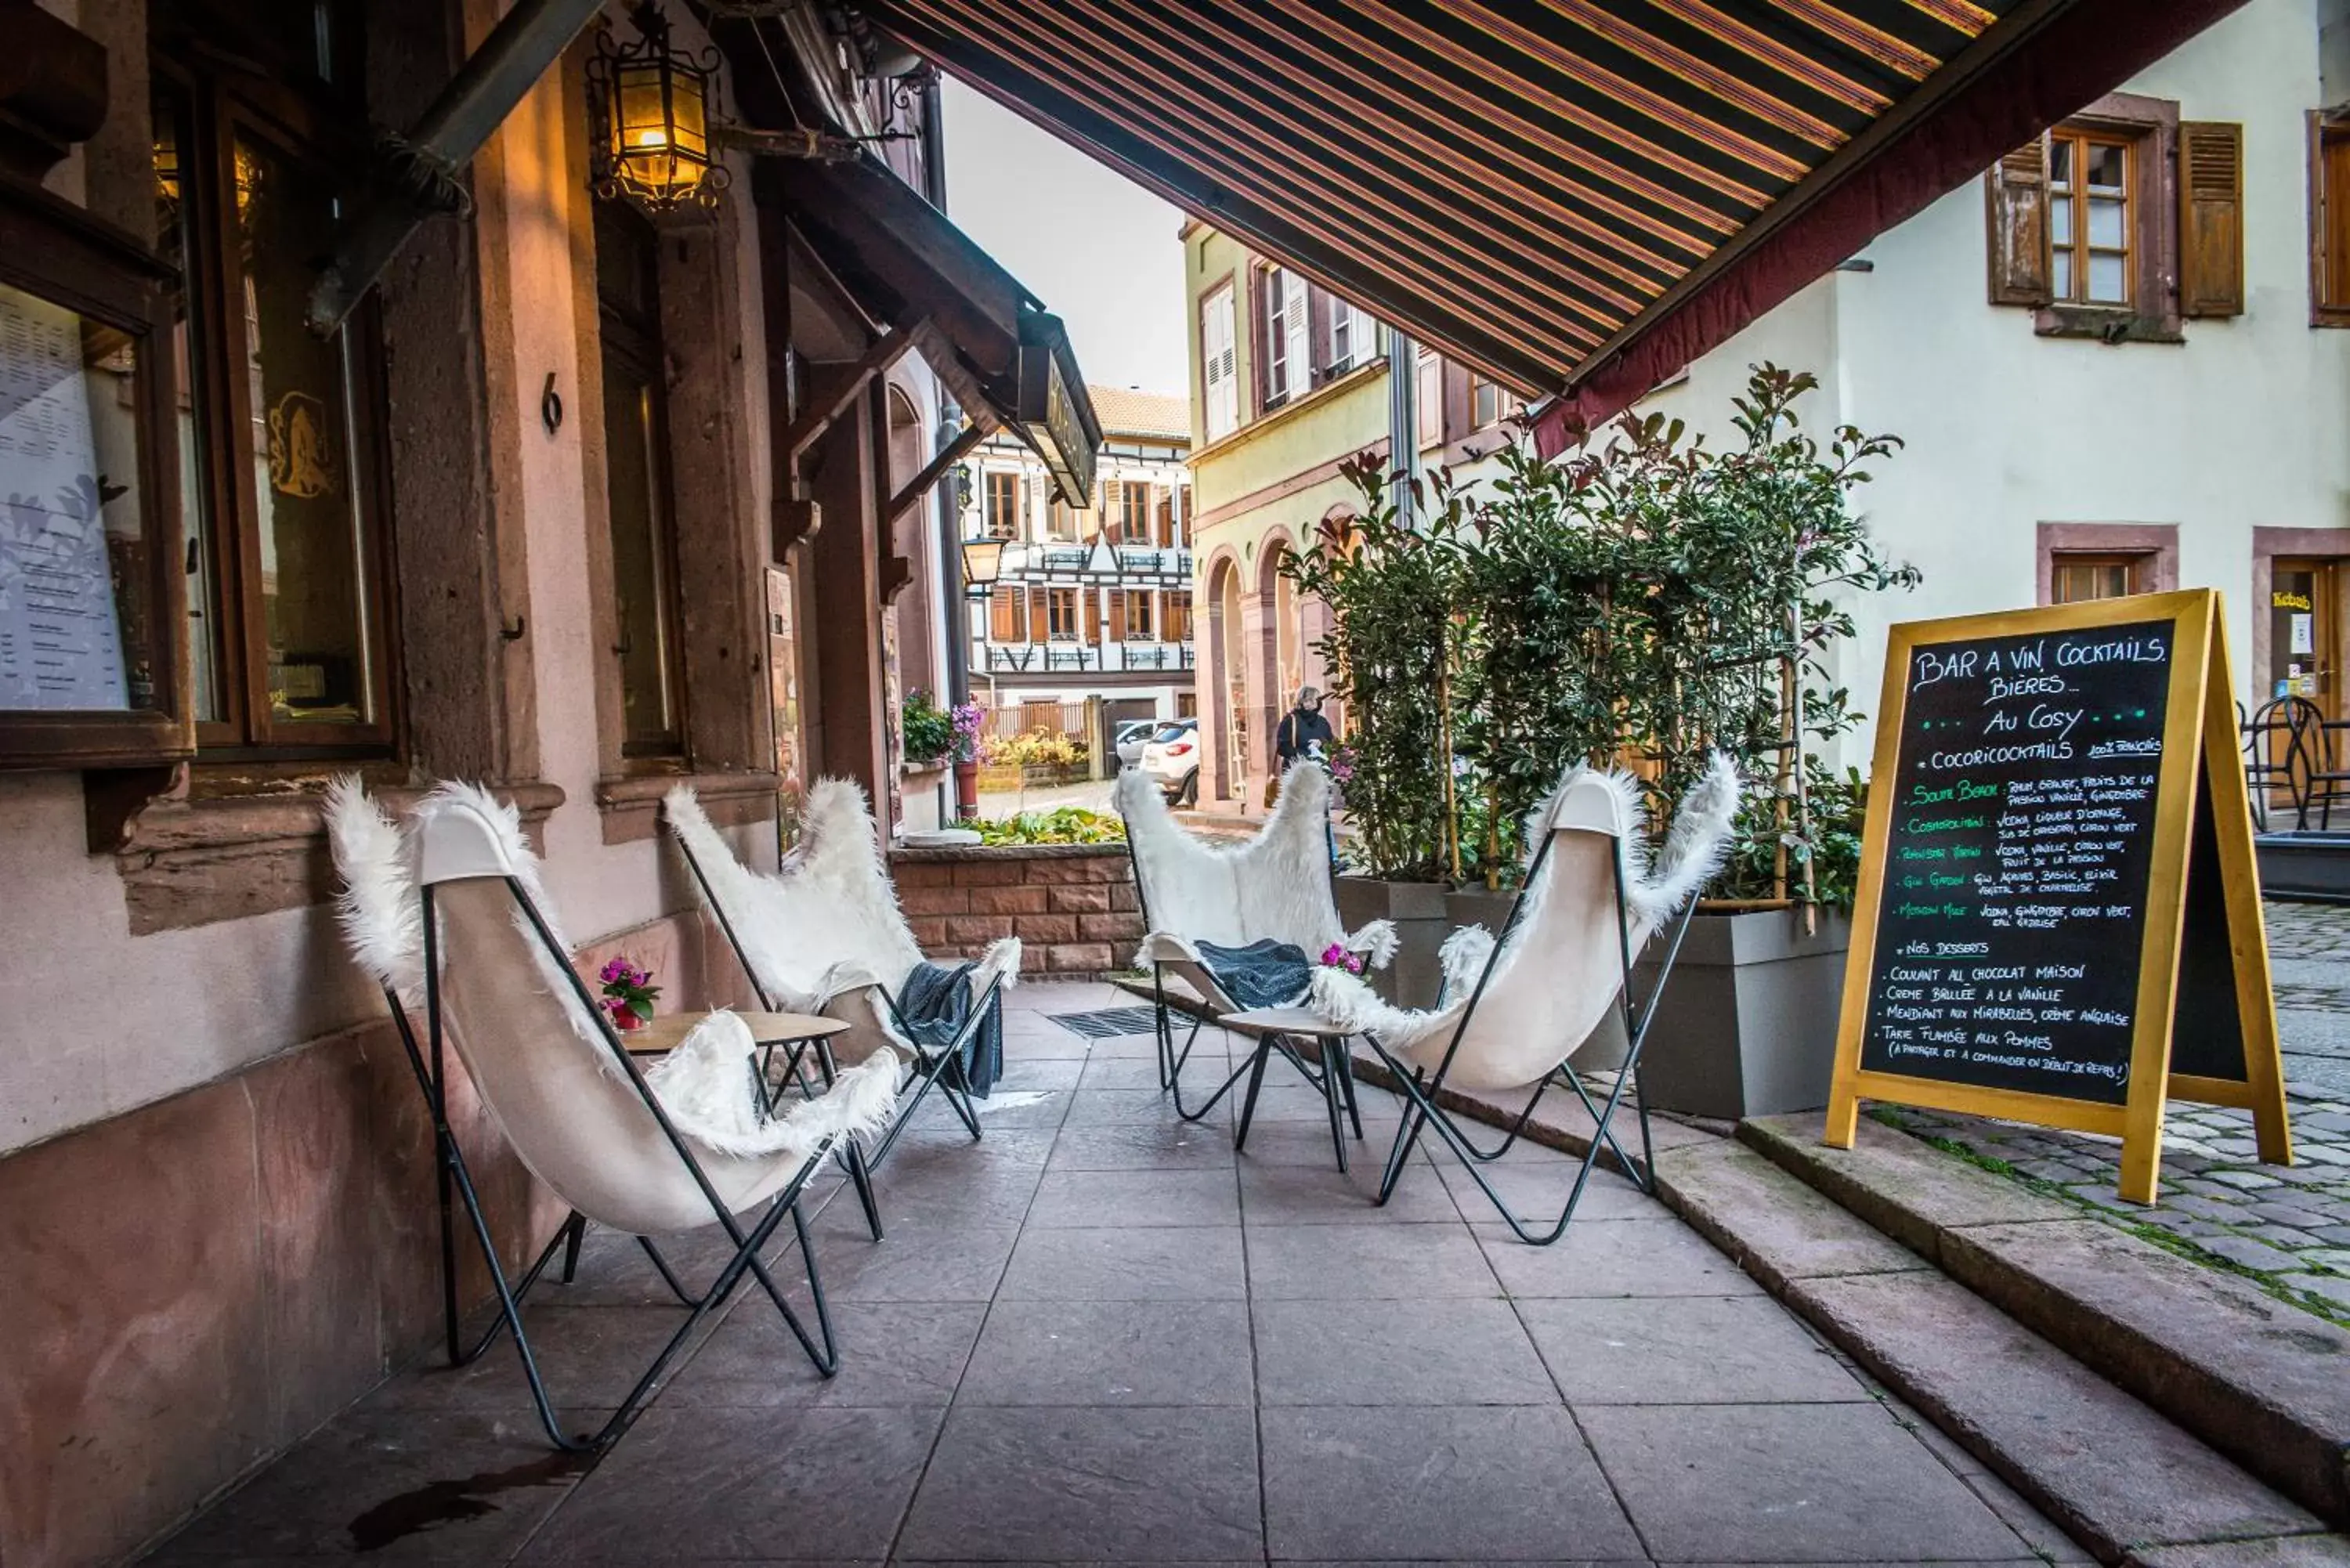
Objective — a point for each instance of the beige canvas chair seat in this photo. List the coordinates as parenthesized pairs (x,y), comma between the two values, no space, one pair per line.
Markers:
(1515,1011)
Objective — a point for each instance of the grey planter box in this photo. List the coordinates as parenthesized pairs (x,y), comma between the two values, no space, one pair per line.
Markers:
(1748,1024)
(1421,924)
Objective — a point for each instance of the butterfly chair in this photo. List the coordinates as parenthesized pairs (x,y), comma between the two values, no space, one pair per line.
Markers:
(823,934)
(1562,965)
(1276,887)
(685,1145)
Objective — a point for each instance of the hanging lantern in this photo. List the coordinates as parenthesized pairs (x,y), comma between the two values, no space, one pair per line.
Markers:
(983,564)
(651,105)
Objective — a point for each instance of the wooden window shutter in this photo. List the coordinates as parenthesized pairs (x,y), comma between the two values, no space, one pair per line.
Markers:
(2210,218)
(1037,615)
(2021,266)
(1116,617)
(1003,621)
(2329,221)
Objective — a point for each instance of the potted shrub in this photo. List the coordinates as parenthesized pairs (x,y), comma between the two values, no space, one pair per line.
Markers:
(1775,554)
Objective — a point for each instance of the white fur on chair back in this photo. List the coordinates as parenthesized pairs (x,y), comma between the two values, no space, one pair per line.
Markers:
(376,907)
(1562,964)
(829,920)
(541,1063)
(1274,886)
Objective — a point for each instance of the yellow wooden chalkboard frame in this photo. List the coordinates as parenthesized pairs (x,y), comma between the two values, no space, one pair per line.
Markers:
(2197,722)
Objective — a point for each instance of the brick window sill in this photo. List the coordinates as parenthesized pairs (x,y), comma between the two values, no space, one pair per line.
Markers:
(212,851)
(630,805)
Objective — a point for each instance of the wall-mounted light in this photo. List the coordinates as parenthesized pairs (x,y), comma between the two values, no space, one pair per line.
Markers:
(982,563)
(651,104)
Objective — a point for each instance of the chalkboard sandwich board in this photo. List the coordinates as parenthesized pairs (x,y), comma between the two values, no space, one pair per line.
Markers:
(2058,919)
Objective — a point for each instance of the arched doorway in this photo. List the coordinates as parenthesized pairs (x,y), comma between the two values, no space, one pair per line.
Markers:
(1224,727)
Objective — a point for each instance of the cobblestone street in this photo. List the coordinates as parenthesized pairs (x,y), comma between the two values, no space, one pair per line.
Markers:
(2289,1229)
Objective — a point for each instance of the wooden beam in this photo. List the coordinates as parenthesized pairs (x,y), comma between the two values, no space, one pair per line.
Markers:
(836,399)
(977,430)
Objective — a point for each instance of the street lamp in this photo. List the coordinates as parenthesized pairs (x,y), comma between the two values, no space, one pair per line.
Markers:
(982,563)
(652,106)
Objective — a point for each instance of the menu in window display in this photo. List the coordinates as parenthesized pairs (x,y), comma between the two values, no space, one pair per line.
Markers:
(60,636)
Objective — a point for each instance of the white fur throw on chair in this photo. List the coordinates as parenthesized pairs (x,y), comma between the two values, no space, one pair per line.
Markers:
(1562,964)
(1275,886)
(704,1086)
(827,923)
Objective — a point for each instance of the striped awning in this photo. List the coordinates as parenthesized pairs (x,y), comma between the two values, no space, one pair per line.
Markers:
(1577,196)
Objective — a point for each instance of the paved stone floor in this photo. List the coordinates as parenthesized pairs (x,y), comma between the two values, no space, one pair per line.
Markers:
(1099,1336)
(2288,1228)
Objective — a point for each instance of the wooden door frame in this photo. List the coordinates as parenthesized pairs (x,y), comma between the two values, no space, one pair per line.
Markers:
(2270,546)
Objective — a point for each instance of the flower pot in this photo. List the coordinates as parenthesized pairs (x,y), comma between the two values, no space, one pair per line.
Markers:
(626,1022)
(1747,1025)
(966,776)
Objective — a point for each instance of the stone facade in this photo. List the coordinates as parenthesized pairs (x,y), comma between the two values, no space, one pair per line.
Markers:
(1073,907)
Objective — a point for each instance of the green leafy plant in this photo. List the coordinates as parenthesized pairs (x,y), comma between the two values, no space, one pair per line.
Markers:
(1068,824)
(927,730)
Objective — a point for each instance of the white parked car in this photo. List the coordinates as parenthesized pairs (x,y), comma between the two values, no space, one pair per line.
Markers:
(1171,759)
(1128,739)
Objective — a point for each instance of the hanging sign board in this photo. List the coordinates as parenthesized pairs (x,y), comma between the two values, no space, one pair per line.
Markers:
(2058,919)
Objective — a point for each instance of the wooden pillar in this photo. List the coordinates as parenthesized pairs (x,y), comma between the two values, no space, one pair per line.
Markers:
(845,558)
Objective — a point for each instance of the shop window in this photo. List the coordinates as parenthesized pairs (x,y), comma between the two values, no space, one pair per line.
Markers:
(1282,347)
(2120,223)
(641,515)
(90,550)
(1219,396)
(1004,504)
(2329,220)
(1061,615)
(280,444)
(1140,626)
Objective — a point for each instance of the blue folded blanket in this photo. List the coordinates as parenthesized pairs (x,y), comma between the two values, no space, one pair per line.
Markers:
(936,1004)
(1263,974)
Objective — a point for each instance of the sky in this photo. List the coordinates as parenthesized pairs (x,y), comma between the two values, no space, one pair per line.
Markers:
(1097,249)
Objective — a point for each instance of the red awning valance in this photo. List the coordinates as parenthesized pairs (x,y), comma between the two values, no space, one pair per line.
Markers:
(1577,196)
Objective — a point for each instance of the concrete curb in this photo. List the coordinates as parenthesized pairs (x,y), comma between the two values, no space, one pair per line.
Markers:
(2261,1382)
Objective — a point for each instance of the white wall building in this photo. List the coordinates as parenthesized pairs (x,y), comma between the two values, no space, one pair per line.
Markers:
(1094,601)
(2108,438)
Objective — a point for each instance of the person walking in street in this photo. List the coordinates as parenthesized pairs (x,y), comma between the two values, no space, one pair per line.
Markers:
(1304,734)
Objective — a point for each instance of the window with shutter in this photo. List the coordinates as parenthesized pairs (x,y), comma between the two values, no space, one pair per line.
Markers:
(1219,372)
(2021,264)
(1004,505)
(2329,221)
(1179,614)
(2114,228)
(2210,219)
(1353,337)
(1061,615)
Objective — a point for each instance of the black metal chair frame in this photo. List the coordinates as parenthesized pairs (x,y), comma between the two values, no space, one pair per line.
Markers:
(934,1066)
(2262,772)
(454,1173)
(1422,1088)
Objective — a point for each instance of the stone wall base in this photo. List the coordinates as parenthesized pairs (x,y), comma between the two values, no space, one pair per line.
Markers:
(1073,907)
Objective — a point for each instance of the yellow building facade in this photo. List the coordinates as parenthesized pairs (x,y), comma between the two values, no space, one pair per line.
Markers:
(1288,383)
